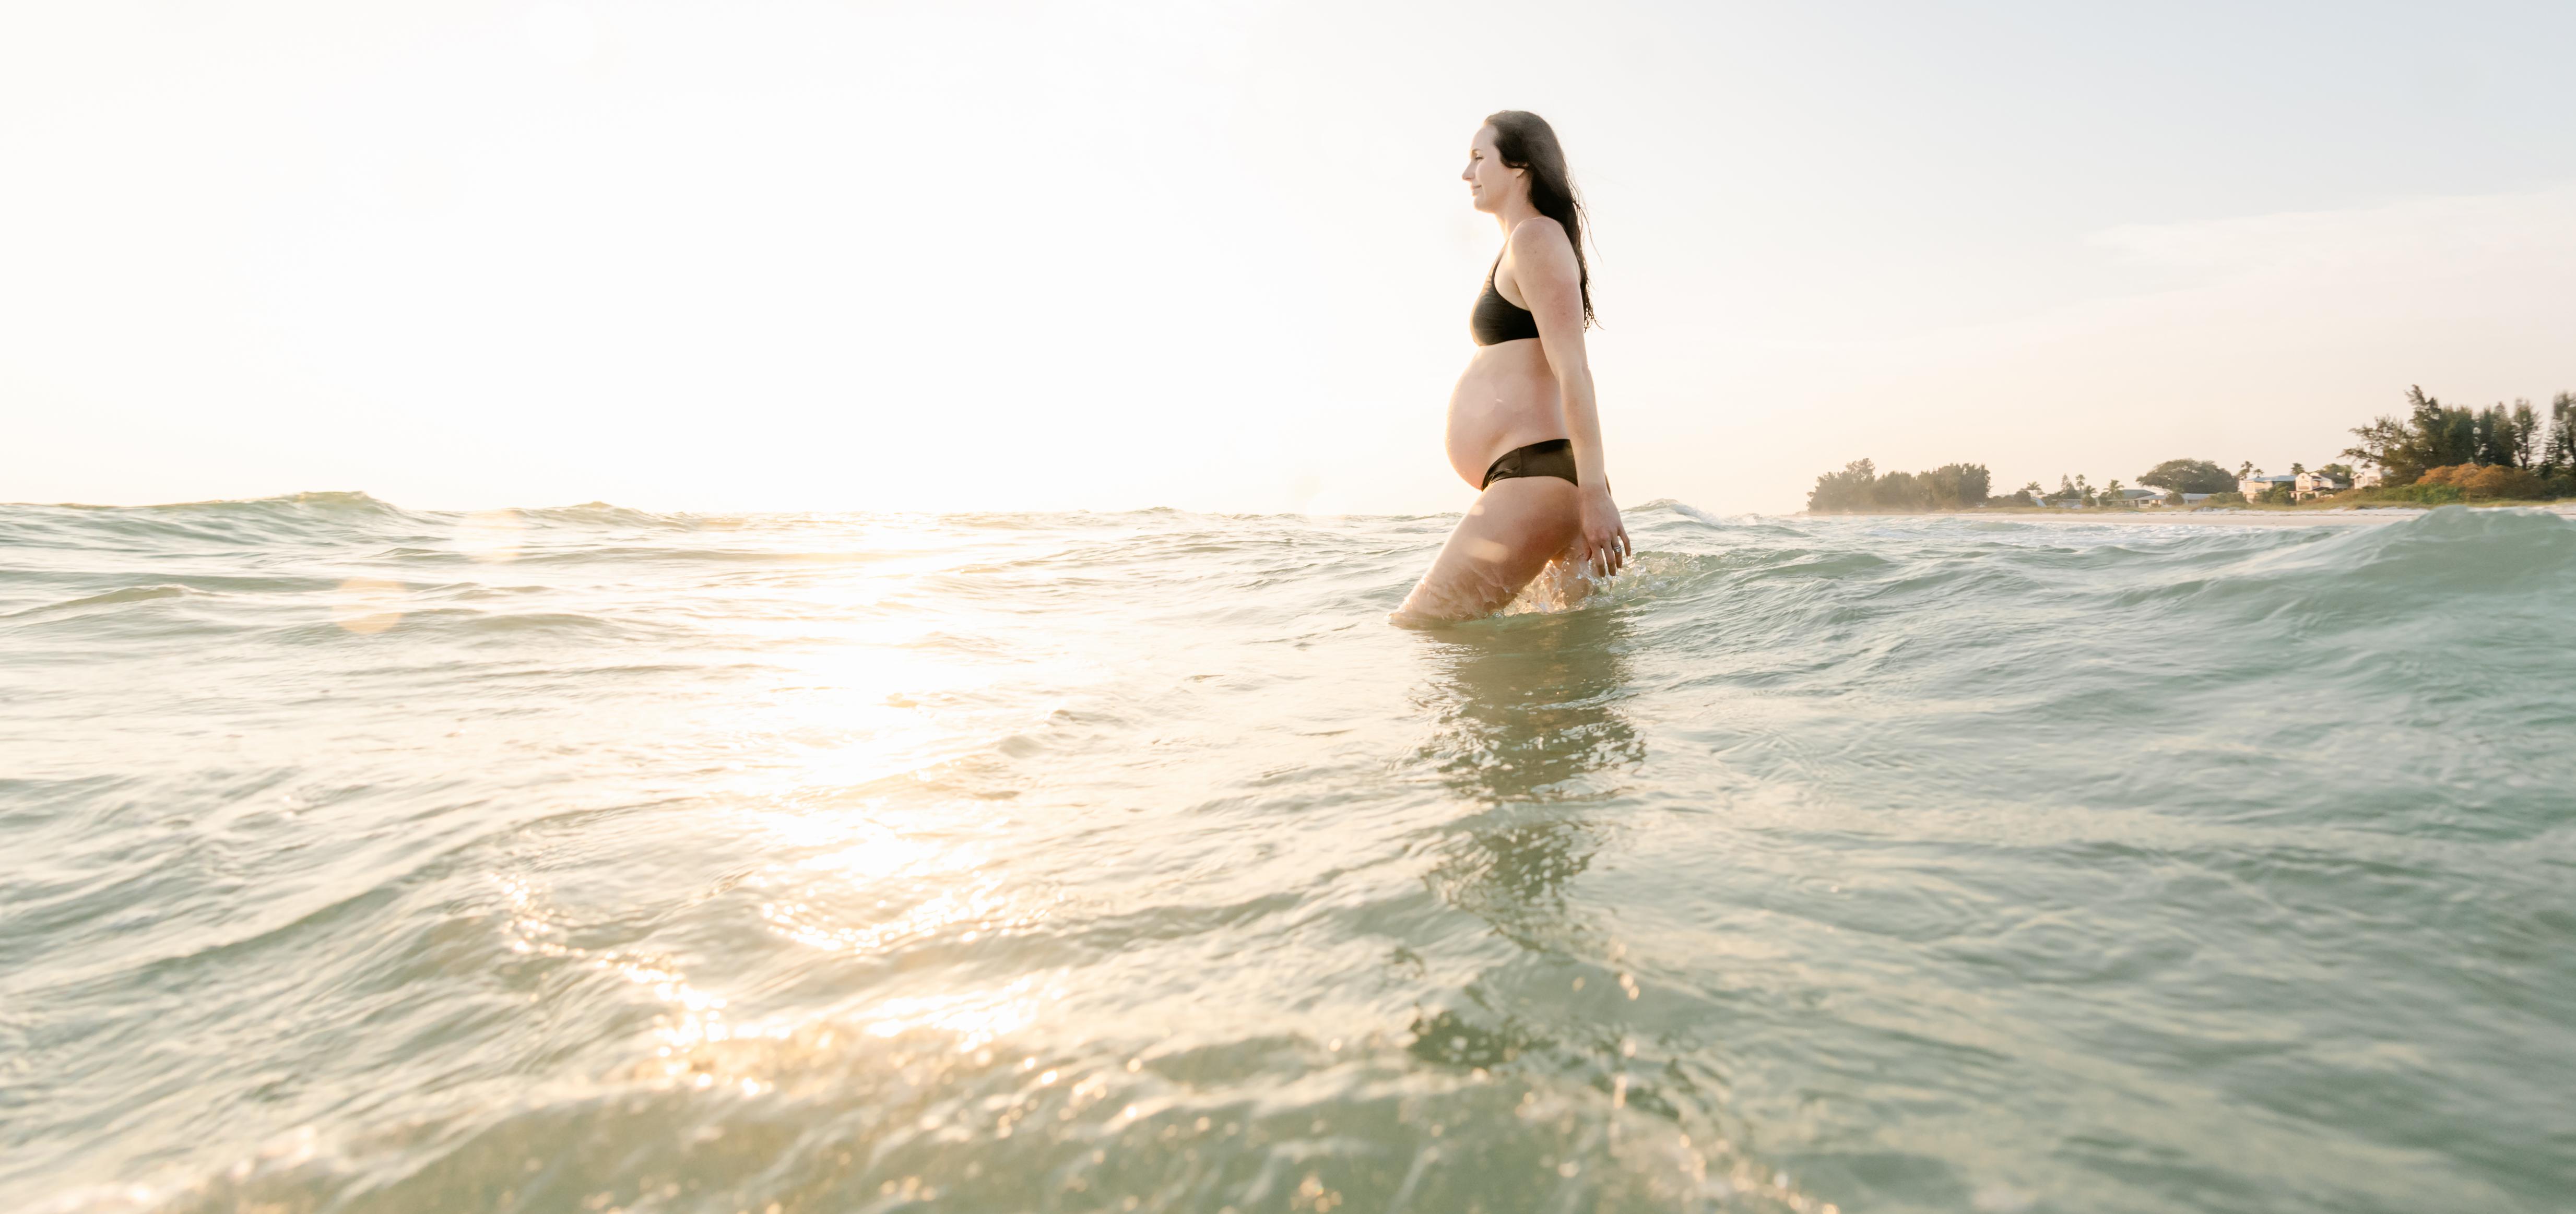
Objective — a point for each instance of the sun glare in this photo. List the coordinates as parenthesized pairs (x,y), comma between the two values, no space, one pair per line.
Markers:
(492,537)
(367,605)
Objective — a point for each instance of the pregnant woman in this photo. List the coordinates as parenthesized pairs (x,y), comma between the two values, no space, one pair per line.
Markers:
(1522,426)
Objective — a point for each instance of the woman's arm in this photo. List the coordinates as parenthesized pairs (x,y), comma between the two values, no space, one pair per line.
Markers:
(1543,266)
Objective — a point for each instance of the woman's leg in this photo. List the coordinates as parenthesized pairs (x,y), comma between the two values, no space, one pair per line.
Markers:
(1515,528)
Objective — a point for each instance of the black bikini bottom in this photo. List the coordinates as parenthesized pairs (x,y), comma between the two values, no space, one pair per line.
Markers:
(1555,457)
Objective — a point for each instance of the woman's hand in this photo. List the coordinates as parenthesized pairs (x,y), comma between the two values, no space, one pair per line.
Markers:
(1602,545)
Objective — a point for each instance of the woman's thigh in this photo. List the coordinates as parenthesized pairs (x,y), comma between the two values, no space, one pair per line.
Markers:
(1515,528)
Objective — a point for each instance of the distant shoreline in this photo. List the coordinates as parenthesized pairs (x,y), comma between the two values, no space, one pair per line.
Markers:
(2219,516)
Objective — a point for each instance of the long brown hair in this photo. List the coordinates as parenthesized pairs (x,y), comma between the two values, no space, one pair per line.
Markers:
(1526,141)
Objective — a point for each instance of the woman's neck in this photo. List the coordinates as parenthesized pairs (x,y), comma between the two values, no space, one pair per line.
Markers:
(1512,212)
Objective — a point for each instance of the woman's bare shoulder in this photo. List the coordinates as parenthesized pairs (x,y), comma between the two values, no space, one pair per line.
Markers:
(1540,238)
(1539,233)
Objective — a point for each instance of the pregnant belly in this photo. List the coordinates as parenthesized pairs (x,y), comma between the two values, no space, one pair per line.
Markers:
(1505,400)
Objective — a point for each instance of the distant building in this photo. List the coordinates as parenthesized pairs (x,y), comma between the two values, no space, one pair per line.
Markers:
(2366,480)
(2194,499)
(2253,486)
(2143,497)
(2310,484)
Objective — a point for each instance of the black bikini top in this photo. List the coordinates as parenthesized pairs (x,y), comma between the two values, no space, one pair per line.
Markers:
(1497,320)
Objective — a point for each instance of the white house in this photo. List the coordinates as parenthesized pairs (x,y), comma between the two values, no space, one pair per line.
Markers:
(2310,484)
(2253,486)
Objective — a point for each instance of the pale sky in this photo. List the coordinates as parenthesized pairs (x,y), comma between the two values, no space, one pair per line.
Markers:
(1214,255)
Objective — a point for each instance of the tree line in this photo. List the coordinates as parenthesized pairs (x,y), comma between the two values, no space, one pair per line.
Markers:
(2491,452)
(1860,488)
(2431,453)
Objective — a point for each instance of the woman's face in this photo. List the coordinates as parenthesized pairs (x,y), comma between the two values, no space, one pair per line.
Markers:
(1489,182)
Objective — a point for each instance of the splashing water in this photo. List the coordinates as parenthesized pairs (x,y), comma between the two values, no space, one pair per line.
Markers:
(361,859)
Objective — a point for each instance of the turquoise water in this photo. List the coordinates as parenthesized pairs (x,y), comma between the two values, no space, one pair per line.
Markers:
(362,859)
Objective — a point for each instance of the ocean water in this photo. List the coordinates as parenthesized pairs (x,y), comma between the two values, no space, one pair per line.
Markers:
(359,859)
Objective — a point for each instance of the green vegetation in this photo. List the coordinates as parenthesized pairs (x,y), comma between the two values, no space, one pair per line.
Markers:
(2434,435)
(2189,476)
(2434,454)
(2418,494)
(2482,454)
(1860,489)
